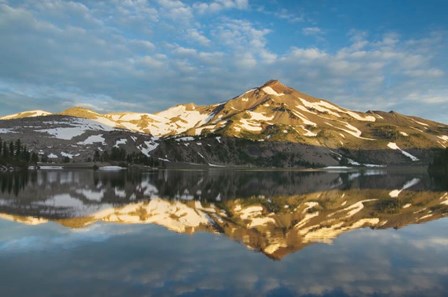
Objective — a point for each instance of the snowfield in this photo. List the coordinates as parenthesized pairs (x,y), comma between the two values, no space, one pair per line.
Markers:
(76,127)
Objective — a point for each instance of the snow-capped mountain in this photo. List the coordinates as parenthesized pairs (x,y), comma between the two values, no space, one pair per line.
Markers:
(270,120)
(275,112)
(172,121)
(26,114)
(56,137)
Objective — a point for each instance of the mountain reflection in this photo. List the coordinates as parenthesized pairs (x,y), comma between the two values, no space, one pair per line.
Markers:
(276,213)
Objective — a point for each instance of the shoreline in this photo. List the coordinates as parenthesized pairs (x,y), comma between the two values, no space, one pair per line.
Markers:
(205,167)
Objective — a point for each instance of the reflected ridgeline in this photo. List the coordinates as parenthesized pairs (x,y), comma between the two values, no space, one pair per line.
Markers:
(276,213)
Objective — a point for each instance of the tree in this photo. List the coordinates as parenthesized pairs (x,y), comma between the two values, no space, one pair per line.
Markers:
(96,156)
(18,148)
(5,150)
(105,156)
(44,159)
(11,149)
(34,158)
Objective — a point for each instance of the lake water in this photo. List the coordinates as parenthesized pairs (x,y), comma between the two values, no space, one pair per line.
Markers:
(223,233)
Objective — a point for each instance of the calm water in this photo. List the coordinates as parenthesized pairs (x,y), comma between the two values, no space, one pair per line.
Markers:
(223,233)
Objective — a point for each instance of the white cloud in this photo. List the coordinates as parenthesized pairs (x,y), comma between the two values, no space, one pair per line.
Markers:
(312,31)
(425,73)
(134,51)
(293,17)
(248,43)
(218,5)
(176,10)
(308,53)
(198,37)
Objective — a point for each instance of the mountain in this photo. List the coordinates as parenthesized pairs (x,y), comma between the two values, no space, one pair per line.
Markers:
(57,137)
(172,121)
(26,114)
(273,125)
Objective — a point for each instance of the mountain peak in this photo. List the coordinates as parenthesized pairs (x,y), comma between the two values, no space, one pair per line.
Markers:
(80,111)
(273,83)
(274,86)
(26,114)
(270,82)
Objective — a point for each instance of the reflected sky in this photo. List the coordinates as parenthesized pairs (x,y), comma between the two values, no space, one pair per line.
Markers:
(238,255)
(147,260)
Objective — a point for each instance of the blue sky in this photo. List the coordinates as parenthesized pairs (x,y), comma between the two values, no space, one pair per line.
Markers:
(137,55)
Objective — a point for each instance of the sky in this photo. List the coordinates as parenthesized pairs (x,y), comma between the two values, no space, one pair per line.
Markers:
(147,55)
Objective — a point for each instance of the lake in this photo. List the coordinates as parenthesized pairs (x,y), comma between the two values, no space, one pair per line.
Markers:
(223,233)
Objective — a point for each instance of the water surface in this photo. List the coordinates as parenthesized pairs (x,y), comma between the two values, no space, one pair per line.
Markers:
(223,233)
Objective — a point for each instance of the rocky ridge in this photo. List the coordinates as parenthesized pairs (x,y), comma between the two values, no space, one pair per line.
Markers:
(271,125)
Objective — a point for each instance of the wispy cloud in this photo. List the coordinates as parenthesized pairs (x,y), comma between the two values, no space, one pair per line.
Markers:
(135,51)
(218,5)
(310,31)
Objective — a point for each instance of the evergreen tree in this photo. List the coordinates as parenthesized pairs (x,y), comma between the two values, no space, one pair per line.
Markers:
(96,156)
(5,150)
(18,148)
(34,158)
(11,149)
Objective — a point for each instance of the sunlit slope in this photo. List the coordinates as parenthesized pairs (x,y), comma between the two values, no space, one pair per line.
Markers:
(275,112)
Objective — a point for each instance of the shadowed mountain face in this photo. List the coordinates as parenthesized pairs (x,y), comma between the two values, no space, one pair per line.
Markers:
(276,213)
(270,126)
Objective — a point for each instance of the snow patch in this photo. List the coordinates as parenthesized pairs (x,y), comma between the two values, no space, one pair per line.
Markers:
(111,168)
(76,127)
(188,138)
(420,123)
(367,118)
(91,195)
(64,133)
(149,147)
(412,182)
(249,126)
(444,198)
(394,146)
(271,91)
(28,114)
(120,141)
(64,154)
(304,119)
(308,133)
(321,106)
(51,167)
(7,130)
(256,116)
(93,139)
(357,207)
(337,167)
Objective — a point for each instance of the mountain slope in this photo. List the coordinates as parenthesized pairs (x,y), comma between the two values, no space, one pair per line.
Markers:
(274,112)
(275,125)
(26,114)
(172,121)
(57,137)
